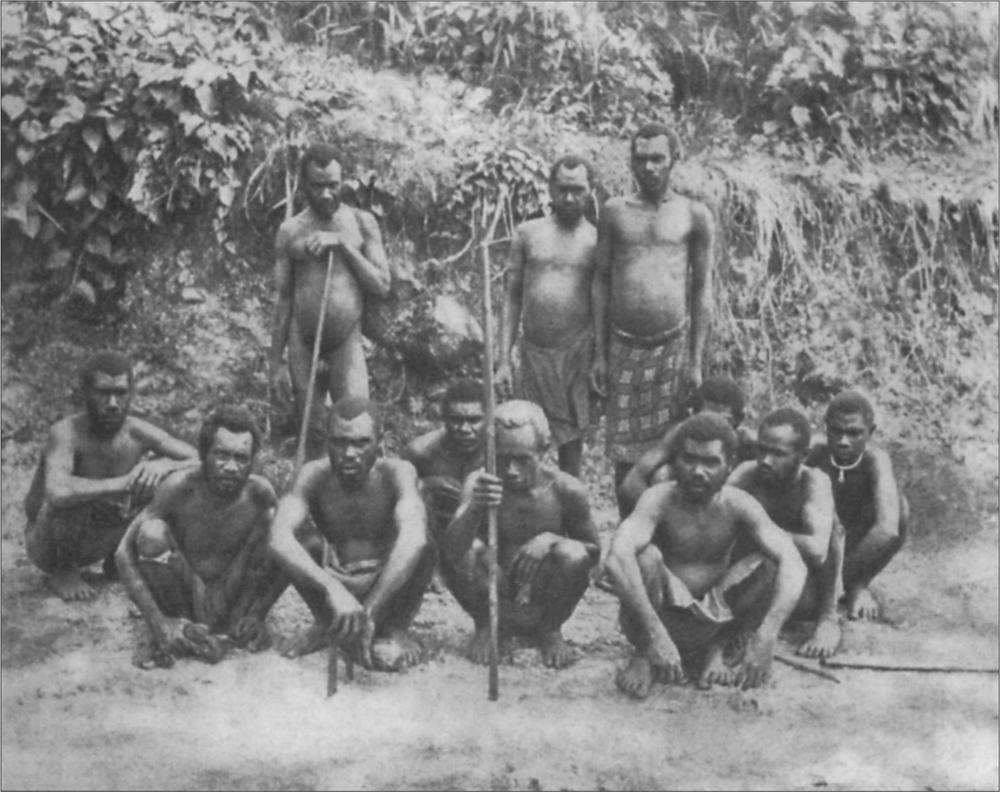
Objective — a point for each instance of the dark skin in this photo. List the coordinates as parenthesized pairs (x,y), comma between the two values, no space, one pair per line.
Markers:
(359,268)
(367,508)
(654,466)
(100,453)
(799,499)
(444,457)
(216,517)
(869,505)
(548,284)
(699,520)
(545,531)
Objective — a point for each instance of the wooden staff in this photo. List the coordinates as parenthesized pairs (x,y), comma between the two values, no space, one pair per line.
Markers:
(490,451)
(333,651)
(806,668)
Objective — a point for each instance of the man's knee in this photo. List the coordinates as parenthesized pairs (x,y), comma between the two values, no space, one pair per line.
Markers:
(904,520)
(571,556)
(47,538)
(153,540)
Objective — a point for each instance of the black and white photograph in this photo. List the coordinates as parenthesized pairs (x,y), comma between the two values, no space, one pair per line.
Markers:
(511,395)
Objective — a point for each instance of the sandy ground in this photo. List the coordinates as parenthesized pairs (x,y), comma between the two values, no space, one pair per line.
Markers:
(77,714)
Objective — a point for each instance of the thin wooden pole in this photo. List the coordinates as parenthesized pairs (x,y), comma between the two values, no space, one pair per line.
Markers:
(489,400)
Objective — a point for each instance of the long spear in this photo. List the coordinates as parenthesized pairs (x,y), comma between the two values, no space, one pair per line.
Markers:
(333,652)
(490,451)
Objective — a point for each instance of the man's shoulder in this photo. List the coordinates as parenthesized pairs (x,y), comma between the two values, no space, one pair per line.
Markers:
(261,490)
(364,218)
(744,475)
(68,429)
(397,470)
(427,445)
(567,485)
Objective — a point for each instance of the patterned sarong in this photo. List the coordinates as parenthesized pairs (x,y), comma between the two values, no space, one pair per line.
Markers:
(557,379)
(712,607)
(644,390)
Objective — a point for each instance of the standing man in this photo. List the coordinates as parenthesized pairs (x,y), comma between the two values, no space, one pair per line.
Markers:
(195,560)
(364,570)
(652,298)
(359,268)
(547,540)
(799,499)
(685,598)
(98,469)
(869,504)
(549,277)
(444,457)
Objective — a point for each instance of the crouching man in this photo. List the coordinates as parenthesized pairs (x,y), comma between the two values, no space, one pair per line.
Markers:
(684,600)
(99,468)
(195,559)
(547,540)
(365,567)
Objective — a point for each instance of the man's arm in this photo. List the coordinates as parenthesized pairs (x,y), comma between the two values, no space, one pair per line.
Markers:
(631,538)
(701,259)
(172,454)
(465,525)
(818,513)
(284,287)
(887,505)
(776,545)
(168,633)
(62,488)
(348,616)
(578,522)
(370,265)
(637,480)
(410,517)
(600,294)
(510,318)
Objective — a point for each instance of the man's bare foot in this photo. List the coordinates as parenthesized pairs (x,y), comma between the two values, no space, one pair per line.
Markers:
(148,655)
(861,604)
(69,585)
(636,678)
(478,650)
(312,640)
(207,647)
(396,652)
(556,653)
(715,671)
(824,640)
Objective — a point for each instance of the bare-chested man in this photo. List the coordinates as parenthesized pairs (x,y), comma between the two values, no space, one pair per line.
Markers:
(653,279)
(195,560)
(800,501)
(549,276)
(684,600)
(444,457)
(870,506)
(547,540)
(720,395)
(364,574)
(359,268)
(98,469)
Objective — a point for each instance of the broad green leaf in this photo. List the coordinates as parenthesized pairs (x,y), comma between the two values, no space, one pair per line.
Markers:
(13,105)
(76,193)
(99,244)
(800,115)
(58,259)
(98,198)
(206,98)
(93,137)
(115,128)
(70,113)
(25,154)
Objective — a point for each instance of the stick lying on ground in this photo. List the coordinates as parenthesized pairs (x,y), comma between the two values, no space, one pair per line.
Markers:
(887,663)
(806,668)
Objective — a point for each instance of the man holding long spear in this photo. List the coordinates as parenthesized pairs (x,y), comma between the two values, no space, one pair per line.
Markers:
(332,249)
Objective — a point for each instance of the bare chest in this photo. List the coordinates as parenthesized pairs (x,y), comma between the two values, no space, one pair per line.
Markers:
(349,516)
(99,460)
(522,517)
(207,530)
(702,537)
(666,225)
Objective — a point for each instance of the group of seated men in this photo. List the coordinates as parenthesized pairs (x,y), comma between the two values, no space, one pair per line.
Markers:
(713,556)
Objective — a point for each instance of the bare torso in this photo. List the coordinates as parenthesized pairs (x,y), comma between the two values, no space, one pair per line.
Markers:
(783,506)
(97,458)
(558,270)
(696,540)
(211,532)
(524,515)
(649,263)
(432,456)
(359,523)
(346,297)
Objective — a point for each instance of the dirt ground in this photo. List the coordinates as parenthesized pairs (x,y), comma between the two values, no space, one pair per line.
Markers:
(77,714)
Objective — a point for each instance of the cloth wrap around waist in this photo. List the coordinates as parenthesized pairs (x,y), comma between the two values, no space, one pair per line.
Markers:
(645,379)
(558,380)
